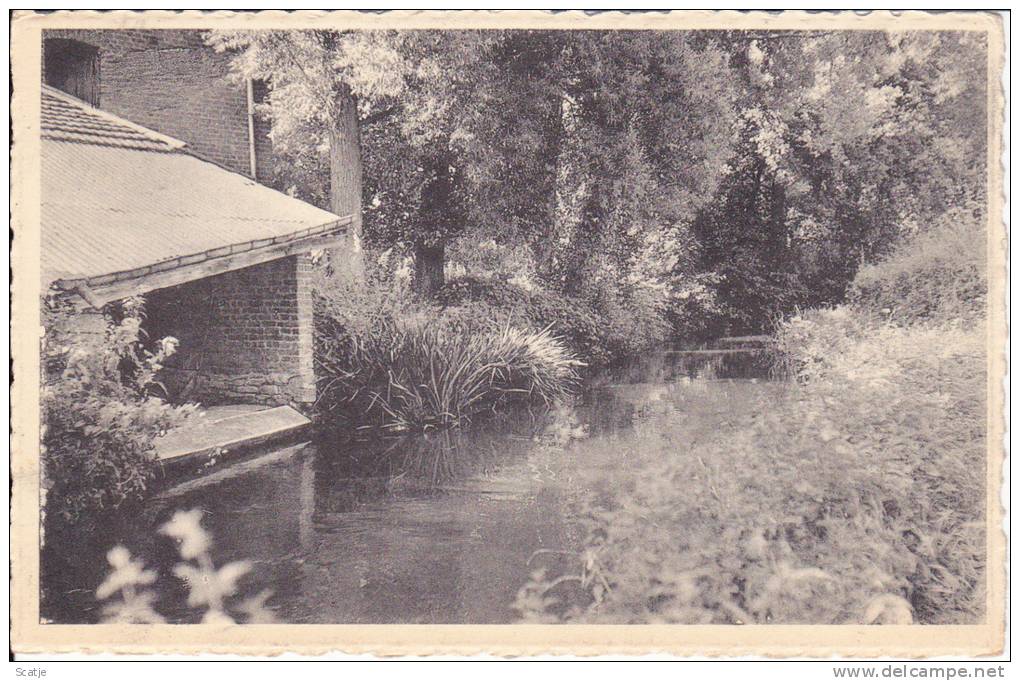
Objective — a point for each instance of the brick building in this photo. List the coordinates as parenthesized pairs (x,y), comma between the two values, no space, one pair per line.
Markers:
(149,151)
(168,81)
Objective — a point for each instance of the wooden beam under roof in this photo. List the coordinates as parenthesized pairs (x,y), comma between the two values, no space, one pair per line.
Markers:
(106,289)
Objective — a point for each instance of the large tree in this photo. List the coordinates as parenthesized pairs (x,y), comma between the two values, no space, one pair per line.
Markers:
(322,91)
(577,146)
(646,121)
(473,147)
(847,141)
(416,108)
(420,188)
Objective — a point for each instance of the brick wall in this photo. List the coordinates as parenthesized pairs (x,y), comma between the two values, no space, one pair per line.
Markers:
(170,81)
(246,335)
(68,321)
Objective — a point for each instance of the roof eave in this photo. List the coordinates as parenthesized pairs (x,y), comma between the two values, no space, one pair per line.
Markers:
(101,289)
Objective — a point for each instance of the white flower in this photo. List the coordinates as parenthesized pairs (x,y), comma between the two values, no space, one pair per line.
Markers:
(137,610)
(210,587)
(126,572)
(168,346)
(217,617)
(186,527)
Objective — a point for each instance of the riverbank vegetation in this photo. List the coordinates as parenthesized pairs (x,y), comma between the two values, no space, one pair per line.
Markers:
(533,205)
(629,190)
(102,410)
(854,495)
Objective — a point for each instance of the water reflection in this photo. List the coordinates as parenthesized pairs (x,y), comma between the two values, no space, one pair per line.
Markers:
(428,462)
(705,365)
(434,528)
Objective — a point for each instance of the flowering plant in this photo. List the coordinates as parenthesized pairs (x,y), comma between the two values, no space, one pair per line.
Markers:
(209,588)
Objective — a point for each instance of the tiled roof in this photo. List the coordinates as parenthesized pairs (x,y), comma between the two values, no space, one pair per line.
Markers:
(118,198)
(67,119)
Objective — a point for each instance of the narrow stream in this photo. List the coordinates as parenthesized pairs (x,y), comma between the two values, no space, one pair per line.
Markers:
(437,528)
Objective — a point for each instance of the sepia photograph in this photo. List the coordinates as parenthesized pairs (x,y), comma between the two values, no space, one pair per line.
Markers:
(362,323)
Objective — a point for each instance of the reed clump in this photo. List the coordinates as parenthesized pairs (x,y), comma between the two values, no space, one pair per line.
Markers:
(417,373)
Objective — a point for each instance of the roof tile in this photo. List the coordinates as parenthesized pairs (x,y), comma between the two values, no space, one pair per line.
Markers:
(67,119)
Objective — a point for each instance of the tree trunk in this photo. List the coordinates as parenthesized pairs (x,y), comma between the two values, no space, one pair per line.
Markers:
(345,183)
(429,265)
(440,217)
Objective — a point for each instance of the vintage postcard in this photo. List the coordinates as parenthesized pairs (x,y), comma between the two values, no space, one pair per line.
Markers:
(508,333)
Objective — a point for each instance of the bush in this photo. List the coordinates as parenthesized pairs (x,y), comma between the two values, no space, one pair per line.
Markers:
(804,346)
(599,332)
(854,496)
(608,327)
(631,319)
(358,306)
(100,419)
(938,275)
(695,313)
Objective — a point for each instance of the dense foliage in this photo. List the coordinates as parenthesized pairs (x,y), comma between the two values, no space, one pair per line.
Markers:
(482,298)
(694,183)
(101,413)
(939,274)
(847,142)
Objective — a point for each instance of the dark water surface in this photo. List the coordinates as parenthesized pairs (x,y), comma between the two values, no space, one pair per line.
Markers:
(436,528)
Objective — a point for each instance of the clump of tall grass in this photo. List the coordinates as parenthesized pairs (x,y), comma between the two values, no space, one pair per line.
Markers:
(419,374)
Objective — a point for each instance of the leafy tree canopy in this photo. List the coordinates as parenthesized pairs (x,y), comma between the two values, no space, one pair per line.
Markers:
(758,169)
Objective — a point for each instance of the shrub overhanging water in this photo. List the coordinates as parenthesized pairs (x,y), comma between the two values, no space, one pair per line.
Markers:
(102,412)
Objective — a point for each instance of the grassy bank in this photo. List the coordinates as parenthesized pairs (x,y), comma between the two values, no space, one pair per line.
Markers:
(856,495)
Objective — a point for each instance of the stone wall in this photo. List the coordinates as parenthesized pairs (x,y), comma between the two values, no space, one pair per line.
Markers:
(171,82)
(245,336)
